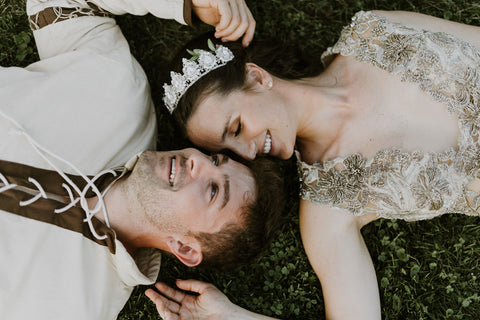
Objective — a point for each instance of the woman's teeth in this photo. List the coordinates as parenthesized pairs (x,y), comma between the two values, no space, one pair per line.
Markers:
(268,143)
(172,172)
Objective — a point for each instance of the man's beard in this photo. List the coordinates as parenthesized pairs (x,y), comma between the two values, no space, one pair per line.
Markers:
(154,194)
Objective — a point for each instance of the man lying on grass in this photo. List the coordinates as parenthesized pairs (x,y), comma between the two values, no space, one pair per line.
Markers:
(76,235)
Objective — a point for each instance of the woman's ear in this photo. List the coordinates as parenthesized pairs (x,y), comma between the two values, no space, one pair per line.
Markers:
(258,77)
(190,254)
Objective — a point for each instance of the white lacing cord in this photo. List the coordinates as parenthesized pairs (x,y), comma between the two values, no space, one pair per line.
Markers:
(6,184)
(41,193)
(90,183)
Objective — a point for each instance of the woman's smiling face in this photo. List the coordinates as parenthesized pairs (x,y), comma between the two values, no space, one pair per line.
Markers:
(249,122)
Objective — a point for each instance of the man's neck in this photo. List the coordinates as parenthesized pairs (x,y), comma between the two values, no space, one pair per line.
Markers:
(119,216)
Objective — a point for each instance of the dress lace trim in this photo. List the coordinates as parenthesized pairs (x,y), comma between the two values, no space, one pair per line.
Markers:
(407,185)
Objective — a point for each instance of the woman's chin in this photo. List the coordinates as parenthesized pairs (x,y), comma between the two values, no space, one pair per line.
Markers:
(288,153)
(284,154)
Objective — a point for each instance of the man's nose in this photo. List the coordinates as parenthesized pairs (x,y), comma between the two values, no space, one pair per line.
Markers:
(200,164)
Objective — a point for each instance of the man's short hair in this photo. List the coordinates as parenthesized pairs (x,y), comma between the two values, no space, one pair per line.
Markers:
(240,243)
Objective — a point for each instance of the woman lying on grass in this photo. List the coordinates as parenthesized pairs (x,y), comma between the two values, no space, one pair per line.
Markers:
(389,129)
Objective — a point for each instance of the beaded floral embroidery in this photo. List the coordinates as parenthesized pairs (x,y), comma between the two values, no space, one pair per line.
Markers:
(407,185)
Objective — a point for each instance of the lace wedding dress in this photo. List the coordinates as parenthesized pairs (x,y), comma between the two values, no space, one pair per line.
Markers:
(397,184)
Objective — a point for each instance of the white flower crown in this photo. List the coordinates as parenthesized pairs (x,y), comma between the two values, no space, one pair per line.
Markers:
(201,63)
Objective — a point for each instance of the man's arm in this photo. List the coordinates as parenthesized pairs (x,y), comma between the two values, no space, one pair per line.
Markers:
(166,9)
(63,26)
(337,253)
(209,304)
(231,18)
(66,25)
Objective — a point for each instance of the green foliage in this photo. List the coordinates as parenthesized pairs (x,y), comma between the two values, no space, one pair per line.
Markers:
(16,46)
(425,270)
(22,41)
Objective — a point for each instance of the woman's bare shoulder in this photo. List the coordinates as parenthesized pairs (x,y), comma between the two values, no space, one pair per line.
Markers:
(422,21)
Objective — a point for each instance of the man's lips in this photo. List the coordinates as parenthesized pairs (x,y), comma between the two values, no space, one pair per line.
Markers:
(172,171)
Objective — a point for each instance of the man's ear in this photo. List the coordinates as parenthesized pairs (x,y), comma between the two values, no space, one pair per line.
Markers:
(257,77)
(190,254)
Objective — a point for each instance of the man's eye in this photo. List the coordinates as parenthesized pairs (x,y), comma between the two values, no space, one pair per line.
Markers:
(213,191)
(239,128)
(215,160)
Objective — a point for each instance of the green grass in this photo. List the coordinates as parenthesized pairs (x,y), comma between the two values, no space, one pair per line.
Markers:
(425,270)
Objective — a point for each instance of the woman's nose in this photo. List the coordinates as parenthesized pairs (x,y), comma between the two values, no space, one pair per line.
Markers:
(247,150)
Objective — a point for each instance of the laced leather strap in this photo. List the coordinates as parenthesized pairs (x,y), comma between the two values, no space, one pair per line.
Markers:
(53,15)
(69,185)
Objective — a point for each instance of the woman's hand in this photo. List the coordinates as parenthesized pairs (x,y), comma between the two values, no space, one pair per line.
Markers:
(173,304)
(231,18)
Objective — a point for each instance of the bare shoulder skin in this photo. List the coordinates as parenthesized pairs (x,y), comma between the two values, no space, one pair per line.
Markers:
(463,31)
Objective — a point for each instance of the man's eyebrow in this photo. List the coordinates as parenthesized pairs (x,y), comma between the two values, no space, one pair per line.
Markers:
(225,130)
(224,160)
(226,190)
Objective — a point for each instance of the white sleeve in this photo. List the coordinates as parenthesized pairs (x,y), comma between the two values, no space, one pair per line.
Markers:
(88,100)
(61,26)
(166,9)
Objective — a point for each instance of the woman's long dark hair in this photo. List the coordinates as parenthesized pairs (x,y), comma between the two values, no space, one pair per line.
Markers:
(281,60)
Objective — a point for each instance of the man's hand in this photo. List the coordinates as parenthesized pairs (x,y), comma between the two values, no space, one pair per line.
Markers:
(231,18)
(174,304)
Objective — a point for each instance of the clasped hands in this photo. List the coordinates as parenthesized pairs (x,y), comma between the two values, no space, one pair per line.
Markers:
(231,18)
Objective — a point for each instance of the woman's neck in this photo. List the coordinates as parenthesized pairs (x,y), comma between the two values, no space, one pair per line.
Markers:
(322,109)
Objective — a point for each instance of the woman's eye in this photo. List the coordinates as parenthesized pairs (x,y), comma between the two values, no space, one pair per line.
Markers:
(215,160)
(213,191)
(239,128)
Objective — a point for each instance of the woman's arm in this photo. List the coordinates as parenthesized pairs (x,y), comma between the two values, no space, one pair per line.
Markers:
(423,21)
(338,254)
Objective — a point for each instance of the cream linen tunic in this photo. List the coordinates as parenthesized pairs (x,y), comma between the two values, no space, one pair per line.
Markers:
(86,101)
